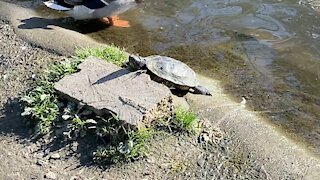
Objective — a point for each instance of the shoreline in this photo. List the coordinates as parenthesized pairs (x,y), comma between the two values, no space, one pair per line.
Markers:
(276,152)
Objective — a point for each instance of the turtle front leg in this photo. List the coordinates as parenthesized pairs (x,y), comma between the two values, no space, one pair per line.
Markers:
(138,73)
(201,90)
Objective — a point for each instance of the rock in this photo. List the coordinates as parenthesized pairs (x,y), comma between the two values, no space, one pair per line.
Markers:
(41,163)
(50,175)
(106,88)
(180,101)
(201,162)
(55,156)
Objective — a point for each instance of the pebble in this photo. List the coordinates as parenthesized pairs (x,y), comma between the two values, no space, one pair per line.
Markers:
(5,77)
(55,156)
(201,162)
(51,175)
(41,163)
(75,178)
(150,160)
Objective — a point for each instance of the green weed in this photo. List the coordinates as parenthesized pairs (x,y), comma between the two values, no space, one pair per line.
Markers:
(184,120)
(139,140)
(134,146)
(41,102)
(110,53)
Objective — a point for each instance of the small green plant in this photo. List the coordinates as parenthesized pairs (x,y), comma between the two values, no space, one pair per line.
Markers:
(184,120)
(110,53)
(41,102)
(61,69)
(42,107)
(134,146)
(139,139)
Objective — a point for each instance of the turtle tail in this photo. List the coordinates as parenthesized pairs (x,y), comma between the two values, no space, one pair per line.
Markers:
(201,90)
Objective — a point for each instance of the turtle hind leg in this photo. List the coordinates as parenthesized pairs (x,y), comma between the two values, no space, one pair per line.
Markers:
(201,90)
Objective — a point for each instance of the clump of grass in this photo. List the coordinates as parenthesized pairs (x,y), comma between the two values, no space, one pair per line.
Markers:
(41,102)
(42,107)
(110,53)
(139,139)
(184,120)
(134,146)
(118,142)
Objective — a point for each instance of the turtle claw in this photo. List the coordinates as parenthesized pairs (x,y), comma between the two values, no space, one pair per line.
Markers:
(202,90)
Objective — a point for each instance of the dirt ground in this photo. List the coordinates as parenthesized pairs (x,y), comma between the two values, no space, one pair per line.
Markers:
(170,157)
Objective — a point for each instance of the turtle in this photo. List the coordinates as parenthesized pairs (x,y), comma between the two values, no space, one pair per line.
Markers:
(168,71)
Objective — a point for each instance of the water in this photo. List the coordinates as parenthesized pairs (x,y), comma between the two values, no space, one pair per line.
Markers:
(264,50)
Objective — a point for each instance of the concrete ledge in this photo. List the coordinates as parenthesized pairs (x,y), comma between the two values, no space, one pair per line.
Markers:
(268,144)
(43,31)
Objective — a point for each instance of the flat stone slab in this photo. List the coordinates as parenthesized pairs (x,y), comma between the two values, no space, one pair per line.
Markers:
(105,87)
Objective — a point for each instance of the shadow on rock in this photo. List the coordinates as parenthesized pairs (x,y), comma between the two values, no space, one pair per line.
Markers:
(111,76)
(83,26)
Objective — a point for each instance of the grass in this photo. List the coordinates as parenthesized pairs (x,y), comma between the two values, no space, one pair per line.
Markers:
(111,54)
(139,141)
(41,102)
(184,120)
(134,146)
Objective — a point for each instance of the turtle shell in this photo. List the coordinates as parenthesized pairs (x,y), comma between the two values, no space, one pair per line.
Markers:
(172,70)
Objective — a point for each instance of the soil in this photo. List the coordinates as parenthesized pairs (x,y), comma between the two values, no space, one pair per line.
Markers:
(170,157)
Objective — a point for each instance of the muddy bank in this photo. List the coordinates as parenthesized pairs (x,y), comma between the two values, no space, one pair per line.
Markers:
(251,147)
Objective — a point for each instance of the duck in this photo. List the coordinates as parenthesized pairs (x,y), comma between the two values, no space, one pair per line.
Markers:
(106,10)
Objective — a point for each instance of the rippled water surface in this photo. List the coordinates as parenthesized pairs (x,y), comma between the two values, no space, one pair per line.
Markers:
(267,51)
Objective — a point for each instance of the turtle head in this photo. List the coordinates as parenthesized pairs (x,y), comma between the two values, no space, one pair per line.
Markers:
(136,62)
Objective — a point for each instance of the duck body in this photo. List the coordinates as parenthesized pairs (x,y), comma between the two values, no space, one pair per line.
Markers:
(92,9)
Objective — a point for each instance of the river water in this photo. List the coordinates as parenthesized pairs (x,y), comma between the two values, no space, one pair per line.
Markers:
(264,50)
